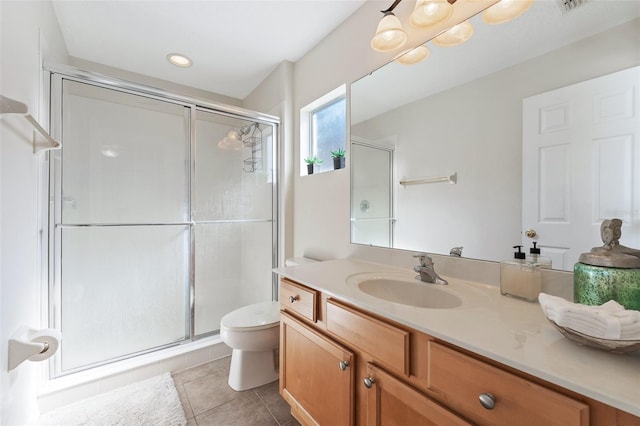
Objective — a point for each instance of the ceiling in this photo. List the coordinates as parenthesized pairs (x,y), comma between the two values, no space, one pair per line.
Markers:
(234,44)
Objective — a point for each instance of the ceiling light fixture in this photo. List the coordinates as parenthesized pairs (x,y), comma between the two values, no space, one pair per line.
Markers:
(389,34)
(455,35)
(413,56)
(429,13)
(505,11)
(179,60)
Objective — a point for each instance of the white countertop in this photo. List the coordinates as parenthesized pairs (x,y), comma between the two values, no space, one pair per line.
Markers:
(510,331)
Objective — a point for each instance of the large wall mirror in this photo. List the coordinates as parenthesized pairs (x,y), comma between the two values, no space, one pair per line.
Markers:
(459,119)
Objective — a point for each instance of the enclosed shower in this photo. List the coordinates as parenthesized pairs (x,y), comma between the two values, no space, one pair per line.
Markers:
(162,217)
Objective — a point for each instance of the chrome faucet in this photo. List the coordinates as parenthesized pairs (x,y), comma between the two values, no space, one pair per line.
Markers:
(426,271)
(456,251)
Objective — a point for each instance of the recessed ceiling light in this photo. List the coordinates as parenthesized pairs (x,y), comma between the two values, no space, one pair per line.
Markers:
(179,60)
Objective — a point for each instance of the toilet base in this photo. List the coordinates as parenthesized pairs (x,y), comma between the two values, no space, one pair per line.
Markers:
(252,369)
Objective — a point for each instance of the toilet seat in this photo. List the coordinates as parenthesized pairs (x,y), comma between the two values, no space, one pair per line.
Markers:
(258,316)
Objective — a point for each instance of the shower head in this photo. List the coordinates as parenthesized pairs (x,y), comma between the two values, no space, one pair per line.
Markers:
(233,139)
(247,128)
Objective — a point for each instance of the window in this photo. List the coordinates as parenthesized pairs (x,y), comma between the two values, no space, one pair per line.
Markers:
(328,124)
(323,128)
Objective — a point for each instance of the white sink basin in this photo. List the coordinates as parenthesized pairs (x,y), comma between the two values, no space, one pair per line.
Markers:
(423,295)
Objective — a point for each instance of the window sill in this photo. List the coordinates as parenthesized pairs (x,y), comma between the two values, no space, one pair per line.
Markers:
(320,172)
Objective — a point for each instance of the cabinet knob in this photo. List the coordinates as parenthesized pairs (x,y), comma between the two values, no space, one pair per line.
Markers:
(487,400)
(293,298)
(343,365)
(369,381)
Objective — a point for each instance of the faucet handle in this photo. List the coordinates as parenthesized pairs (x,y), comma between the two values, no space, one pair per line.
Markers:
(456,251)
(424,259)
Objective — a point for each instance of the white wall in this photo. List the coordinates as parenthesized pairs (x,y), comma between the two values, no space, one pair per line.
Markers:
(321,209)
(27,30)
(274,95)
(321,201)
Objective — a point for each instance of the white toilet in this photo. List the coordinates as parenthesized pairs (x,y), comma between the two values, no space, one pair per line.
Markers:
(253,332)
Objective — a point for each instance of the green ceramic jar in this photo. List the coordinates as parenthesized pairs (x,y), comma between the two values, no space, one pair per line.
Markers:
(595,285)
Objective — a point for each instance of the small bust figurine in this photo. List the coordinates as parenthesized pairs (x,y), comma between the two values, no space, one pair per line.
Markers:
(611,253)
(610,237)
(616,227)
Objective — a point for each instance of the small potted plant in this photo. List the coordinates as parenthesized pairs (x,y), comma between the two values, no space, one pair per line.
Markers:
(312,161)
(338,158)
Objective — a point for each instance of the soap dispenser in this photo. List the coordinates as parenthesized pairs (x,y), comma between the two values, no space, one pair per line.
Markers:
(519,278)
(535,257)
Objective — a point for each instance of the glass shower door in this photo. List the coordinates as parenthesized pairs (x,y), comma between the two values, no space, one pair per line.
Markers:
(121,224)
(234,217)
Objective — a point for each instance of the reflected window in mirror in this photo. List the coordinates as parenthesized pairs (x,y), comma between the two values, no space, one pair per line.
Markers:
(323,130)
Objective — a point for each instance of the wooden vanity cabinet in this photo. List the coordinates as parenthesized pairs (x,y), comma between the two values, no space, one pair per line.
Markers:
(328,349)
(340,365)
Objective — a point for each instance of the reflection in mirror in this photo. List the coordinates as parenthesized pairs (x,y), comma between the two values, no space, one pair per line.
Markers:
(461,111)
(371,192)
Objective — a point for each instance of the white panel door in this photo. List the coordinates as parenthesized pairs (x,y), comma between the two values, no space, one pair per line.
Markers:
(580,146)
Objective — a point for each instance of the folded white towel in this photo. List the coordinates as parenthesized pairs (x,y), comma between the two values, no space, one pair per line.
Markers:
(589,320)
(607,321)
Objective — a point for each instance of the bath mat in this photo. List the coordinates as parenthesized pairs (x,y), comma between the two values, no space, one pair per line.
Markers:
(150,402)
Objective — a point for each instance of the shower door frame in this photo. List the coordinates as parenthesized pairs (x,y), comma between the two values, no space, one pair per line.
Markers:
(55,75)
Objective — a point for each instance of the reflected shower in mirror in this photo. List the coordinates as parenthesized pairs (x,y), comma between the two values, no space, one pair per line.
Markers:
(371,191)
(461,112)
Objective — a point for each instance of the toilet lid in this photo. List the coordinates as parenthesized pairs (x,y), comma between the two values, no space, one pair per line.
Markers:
(257,316)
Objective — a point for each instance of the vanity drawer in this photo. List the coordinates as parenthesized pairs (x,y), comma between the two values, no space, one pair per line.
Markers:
(299,299)
(388,344)
(460,380)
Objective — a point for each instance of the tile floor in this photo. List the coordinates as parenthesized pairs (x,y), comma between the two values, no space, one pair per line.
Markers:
(207,399)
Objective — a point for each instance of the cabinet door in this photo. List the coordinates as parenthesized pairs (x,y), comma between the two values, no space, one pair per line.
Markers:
(391,402)
(317,375)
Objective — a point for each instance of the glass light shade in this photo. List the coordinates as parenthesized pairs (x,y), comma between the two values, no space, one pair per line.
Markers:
(413,56)
(428,13)
(455,35)
(389,34)
(505,11)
